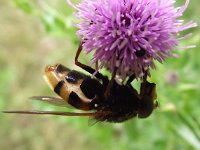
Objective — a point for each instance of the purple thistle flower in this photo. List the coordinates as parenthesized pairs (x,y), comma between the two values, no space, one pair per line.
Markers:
(128,35)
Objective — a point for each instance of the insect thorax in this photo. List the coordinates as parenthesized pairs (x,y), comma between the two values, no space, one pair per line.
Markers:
(122,103)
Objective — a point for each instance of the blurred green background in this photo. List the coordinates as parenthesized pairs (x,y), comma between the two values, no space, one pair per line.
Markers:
(35,33)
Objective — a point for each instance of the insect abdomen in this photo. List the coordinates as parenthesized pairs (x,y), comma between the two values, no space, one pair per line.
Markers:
(66,83)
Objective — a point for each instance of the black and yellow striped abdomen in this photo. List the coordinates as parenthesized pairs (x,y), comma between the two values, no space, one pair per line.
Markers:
(66,83)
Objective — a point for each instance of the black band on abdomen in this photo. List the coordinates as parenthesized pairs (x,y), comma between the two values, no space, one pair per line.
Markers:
(75,101)
(59,86)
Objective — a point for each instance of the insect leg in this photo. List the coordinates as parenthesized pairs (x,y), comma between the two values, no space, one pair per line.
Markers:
(130,79)
(143,85)
(97,65)
(107,92)
(147,88)
(87,68)
(128,83)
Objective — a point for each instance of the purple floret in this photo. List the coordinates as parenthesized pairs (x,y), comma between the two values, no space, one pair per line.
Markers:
(128,35)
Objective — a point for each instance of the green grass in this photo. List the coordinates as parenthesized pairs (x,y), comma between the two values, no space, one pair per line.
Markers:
(33,34)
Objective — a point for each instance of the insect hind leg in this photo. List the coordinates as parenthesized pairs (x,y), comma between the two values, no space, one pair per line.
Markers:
(88,68)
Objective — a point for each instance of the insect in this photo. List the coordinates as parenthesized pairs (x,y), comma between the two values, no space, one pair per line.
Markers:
(101,98)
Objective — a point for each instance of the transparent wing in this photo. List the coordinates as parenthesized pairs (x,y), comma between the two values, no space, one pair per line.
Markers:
(92,121)
(52,113)
(100,117)
(52,100)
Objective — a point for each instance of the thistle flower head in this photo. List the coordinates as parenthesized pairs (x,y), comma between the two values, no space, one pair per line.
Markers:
(129,35)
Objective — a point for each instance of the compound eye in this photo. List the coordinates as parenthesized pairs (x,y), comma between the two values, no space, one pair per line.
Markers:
(146,107)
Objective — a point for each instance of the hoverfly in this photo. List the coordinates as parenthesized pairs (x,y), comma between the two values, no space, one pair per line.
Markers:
(103,99)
